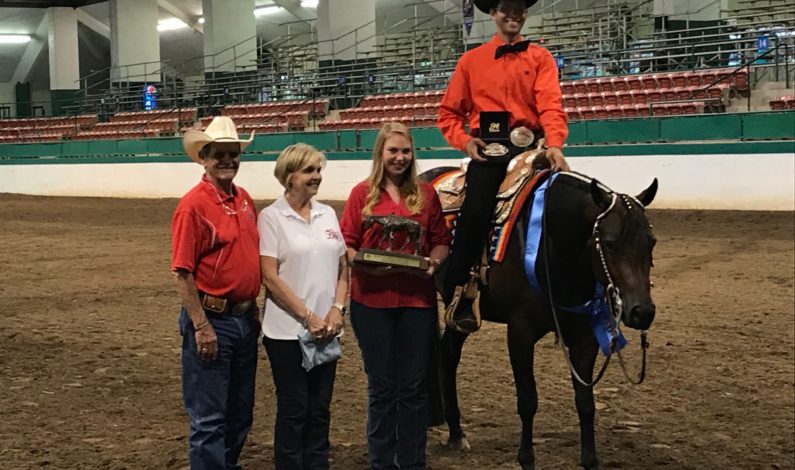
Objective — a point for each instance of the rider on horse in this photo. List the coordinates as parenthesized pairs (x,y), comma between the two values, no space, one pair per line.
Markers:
(506,74)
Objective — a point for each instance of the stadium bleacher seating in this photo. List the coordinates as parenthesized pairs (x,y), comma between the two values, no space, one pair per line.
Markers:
(140,124)
(274,116)
(417,109)
(43,129)
(595,98)
(610,97)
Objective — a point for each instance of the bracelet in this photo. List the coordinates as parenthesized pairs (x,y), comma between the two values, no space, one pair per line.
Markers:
(201,325)
(436,262)
(305,322)
(341,307)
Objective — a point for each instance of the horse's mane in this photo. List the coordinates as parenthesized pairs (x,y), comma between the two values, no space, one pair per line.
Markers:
(580,181)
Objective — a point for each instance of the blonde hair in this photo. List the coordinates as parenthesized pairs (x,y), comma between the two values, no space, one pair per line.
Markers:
(293,158)
(409,187)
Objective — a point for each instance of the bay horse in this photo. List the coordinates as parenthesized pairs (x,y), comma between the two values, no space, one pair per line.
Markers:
(590,234)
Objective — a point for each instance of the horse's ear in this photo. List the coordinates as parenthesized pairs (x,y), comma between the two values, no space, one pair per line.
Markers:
(599,196)
(647,195)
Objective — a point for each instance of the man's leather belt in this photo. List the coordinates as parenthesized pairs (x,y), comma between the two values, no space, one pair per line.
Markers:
(224,306)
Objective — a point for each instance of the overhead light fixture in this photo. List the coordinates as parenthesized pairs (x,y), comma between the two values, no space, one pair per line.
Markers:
(267,10)
(309,3)
(14,38)
(201,20)
(171,24)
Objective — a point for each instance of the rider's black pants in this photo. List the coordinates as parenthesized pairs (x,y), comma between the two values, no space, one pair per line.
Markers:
(483,181)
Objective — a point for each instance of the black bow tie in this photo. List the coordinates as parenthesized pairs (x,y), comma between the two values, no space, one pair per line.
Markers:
(520,46)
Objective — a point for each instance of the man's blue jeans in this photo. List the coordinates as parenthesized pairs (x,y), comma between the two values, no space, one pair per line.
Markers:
(395,344)
(219,394)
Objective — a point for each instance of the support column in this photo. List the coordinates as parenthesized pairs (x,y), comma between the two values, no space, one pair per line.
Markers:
(230,42)
(63,55)
(134,42)
(335,28)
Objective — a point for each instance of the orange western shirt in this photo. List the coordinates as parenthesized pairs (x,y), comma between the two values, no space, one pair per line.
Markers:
(214,236)
(524,83)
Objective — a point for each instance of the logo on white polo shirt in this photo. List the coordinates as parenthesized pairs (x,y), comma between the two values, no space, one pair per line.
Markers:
(332,234)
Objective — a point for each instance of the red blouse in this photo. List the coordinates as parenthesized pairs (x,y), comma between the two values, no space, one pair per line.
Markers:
(399,289)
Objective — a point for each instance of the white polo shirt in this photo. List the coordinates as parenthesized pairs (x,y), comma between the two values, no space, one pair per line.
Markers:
(308,257)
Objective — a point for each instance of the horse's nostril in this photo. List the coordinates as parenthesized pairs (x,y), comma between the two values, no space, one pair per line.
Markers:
(641,316)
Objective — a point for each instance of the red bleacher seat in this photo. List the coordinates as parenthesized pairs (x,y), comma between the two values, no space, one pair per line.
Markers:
(582,100)
(614,112)
(610,98)
(629,110)
(677,80)
(596,99)
(580,87)
(567,87)
(670,94)
(694,79)
(593,85)
(572,113)
(619,84)
(783,103)
(625,97)
(586,113)
(638,97)
(649,82)
(664,80)
(606,84)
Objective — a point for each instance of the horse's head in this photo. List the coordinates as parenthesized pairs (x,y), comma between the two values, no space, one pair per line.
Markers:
(623,242)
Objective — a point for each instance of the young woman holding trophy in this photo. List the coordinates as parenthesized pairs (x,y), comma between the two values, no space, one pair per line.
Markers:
(393,299)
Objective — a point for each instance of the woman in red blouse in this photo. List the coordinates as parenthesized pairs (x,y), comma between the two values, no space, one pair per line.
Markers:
(393,312)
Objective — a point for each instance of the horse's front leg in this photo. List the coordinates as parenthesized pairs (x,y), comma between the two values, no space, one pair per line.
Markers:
(521,342)
(583,357)
(450,355)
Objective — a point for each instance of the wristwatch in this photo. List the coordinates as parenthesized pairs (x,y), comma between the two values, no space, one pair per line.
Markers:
(341,307)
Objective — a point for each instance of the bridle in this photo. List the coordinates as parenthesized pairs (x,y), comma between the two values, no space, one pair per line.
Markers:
(612,295)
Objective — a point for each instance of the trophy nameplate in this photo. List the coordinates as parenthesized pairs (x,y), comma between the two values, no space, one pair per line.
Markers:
(392,225)
(391,258)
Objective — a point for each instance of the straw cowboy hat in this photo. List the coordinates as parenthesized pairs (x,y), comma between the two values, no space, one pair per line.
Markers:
(221,129)
(486,5)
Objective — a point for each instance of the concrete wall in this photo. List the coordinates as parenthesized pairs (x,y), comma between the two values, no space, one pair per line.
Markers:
(7,96)
(733,181)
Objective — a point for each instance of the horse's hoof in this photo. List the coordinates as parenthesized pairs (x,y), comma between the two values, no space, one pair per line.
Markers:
(528,466)
(460,444)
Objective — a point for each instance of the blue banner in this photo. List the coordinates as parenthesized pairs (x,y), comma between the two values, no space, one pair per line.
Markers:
(469,15)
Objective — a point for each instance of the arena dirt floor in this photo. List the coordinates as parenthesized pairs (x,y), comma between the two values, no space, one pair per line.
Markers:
(90,374)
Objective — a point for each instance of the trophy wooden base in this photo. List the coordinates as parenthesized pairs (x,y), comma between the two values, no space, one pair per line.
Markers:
(391,258)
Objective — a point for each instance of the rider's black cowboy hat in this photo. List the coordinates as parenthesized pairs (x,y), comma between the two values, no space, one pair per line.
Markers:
(486,5)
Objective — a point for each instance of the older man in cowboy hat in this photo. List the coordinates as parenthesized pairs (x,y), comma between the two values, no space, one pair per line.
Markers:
(215,259)
(507,74)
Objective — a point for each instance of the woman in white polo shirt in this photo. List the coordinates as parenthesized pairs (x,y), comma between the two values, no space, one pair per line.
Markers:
(305,273)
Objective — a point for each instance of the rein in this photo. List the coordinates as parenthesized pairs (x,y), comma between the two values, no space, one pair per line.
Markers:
(612,294)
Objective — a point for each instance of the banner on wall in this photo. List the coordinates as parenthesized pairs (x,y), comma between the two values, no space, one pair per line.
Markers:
(469,15)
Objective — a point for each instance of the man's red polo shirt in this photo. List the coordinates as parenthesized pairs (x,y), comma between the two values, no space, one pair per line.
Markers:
(214,236)
(525,84)
(393,290)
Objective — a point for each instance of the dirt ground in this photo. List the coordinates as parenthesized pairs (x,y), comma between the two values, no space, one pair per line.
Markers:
(90,362)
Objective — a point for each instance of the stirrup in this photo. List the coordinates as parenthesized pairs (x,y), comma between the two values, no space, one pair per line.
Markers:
(466,296)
